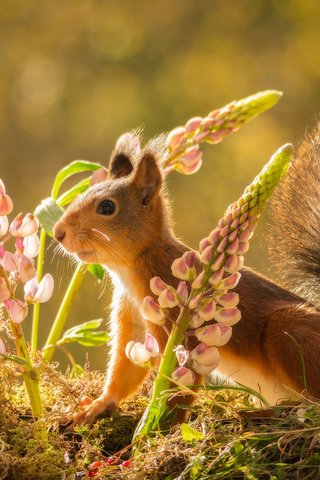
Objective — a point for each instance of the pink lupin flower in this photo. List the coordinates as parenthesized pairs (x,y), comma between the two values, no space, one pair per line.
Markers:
(175,137)
(2,348)
(227,300)
(231,265)
(182,291)
(199,280)
(10,262)
(206,255)
(207,309)
(191,155)
(214,236)
(26,269)
(216,278)
(196,321)
(201,368)
(168,298)
(184,267)
(227,316)
(233,247)
(193,124)
(157,285)
(182,354)
(31,245)
(243,248)
(229,283)
(6,205)
(216,265)
(141,353)
(188,168)
(17,310)
(184,376)
(195,301)
(4,225)
(41,292)
(4,290)
(214,335)
(206,355)
(22,226)
(204,243)
(151,311)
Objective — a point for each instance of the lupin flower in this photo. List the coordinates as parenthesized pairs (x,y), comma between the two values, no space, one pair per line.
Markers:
(168,298)
(157,285)
(26,269)
(184,267)
(151,311)
(206,355)
(17,310)
(214,335)
(182,354)
(6,205)
(4,290)
(41,292)
(184,376)
(31,245)
(141,353)
(23,226)
(184,154)
(4,225)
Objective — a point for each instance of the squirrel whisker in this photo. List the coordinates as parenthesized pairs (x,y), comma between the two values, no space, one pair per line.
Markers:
(101,233)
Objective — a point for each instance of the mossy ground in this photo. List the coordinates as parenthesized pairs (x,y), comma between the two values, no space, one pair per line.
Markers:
(236,440)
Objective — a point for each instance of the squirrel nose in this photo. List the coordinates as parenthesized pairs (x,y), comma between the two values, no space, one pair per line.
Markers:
(59,234)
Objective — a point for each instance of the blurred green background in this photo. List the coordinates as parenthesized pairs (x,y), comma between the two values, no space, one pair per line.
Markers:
(77,74)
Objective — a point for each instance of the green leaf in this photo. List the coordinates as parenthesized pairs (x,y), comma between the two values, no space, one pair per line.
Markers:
(18,360)
(69,195)
(77,166)
(97,271)
(48,213)
(190,434)
(85,334)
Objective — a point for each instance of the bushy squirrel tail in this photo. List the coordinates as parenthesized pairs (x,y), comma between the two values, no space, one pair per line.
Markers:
(294,243)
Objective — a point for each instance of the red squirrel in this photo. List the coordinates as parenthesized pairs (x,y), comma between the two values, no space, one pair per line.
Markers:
(275,348)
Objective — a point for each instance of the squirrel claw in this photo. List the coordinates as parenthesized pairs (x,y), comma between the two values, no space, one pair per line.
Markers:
(90,412)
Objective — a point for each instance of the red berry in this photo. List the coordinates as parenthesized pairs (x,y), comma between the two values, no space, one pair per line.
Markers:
(126,464)
(92,473)
(95,465)
(112,460)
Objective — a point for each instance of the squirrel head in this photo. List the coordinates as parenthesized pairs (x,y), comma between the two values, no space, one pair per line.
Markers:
(114,221)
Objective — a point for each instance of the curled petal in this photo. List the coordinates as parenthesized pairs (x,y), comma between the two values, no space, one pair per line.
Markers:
(157,285)
(6,205)
(190,258)
(4,290)
(31,245)
(151,345)
(176,137)
(16,309)
(182,355)
(182,291)
(168,299)
(151,311)
(4,225)
(188,168)
(35,292)
(227,316)
(184,376)
(206,355)
(214,335)
(229,283)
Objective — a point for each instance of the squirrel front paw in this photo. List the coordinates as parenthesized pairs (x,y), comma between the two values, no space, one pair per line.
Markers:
(92,410)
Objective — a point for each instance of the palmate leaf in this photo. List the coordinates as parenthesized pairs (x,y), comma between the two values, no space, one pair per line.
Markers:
(85,334)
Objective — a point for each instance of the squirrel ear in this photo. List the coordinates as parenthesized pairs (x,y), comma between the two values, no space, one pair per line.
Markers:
(127,146)
(148,177)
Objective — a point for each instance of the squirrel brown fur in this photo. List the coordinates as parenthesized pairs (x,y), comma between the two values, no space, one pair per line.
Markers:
(124,223)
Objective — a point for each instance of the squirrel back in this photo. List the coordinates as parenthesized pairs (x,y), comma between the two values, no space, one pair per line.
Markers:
(294,240)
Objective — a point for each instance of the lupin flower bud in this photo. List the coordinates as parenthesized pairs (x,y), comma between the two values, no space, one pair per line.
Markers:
(4,290)
(193,124)
(4,225)
(216,278)
(231,265)
(188,168)
(41,292)
(229,283)
(214,335)
(175,137)
(207,309)
(198,281)
(141,353)
(26,269)
(184,376)
(151,311)
(206,255)
(227,300)
(182,291)
(206,355)
(157,285)
(16,309)
(182,355)
(196,321)
(2,348)
(184,267)
(31,245)
(227,316)
(24,226)
(168,298)
(204,243)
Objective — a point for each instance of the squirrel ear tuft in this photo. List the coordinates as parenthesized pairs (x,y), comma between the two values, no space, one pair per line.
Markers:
(127,146)
(148,177)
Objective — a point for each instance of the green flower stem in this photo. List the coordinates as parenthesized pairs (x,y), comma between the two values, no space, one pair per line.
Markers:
(36,306)
(64,310)
(30,375)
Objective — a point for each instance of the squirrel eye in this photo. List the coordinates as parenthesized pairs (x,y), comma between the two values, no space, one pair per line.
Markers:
(106,207)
